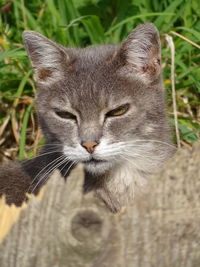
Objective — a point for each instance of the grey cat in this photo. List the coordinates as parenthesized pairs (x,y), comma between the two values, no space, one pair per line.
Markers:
(103,106)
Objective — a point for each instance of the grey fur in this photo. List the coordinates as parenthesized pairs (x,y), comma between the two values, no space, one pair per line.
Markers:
(89,83)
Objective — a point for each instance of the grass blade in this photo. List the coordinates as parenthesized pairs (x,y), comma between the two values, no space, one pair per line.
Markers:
(137,17)
(22,141)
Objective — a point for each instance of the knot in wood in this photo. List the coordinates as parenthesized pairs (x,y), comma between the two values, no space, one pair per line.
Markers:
(86,225)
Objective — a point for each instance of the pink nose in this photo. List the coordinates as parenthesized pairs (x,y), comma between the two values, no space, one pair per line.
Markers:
(89,146)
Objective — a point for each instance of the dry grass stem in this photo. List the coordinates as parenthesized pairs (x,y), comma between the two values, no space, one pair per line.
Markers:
(185,38)
(170,42)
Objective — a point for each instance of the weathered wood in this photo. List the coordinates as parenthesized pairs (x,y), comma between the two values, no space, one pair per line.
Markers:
(161,228)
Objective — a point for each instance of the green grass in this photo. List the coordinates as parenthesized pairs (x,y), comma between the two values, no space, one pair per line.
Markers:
(85,22)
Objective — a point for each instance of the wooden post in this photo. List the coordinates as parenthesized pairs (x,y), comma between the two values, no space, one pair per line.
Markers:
(66,229)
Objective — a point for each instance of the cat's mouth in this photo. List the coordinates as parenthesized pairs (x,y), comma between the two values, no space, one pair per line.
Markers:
(94,161)
(97,166)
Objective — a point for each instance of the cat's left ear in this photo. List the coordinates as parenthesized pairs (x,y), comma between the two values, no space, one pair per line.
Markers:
(141,53)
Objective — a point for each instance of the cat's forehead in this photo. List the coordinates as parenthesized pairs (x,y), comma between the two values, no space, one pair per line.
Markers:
(98,85)
(95,72)
(92,62)
(91,75)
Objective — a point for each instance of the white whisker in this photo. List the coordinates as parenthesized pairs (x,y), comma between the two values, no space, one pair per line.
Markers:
(150,140)
(68,169)
(46,173)
(55,160)
(41,155)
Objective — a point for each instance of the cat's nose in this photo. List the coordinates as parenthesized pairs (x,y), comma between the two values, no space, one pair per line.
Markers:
(89,146)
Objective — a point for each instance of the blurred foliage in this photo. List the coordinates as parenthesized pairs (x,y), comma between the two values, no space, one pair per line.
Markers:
(84,22)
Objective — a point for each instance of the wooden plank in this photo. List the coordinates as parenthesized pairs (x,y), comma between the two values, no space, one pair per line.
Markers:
(160,228)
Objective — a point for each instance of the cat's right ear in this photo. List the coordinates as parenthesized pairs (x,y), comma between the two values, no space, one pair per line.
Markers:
(46,57)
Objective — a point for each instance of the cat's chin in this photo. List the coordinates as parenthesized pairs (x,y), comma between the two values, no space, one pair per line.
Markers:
(97,167)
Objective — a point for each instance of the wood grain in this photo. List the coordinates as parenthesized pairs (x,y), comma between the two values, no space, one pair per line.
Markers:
(66,228)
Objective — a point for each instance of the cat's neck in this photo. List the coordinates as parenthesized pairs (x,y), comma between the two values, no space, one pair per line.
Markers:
(117,187)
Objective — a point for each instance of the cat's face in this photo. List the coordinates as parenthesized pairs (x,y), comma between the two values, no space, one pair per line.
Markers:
(103,105)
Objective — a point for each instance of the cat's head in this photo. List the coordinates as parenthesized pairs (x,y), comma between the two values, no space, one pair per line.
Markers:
(102,104)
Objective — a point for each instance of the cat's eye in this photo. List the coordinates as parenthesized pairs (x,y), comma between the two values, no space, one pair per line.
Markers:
(118,111)
(65,115)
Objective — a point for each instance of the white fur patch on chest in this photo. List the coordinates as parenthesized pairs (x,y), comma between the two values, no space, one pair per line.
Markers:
(126,177)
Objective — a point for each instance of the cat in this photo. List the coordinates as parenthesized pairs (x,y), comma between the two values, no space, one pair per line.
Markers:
(103,106)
